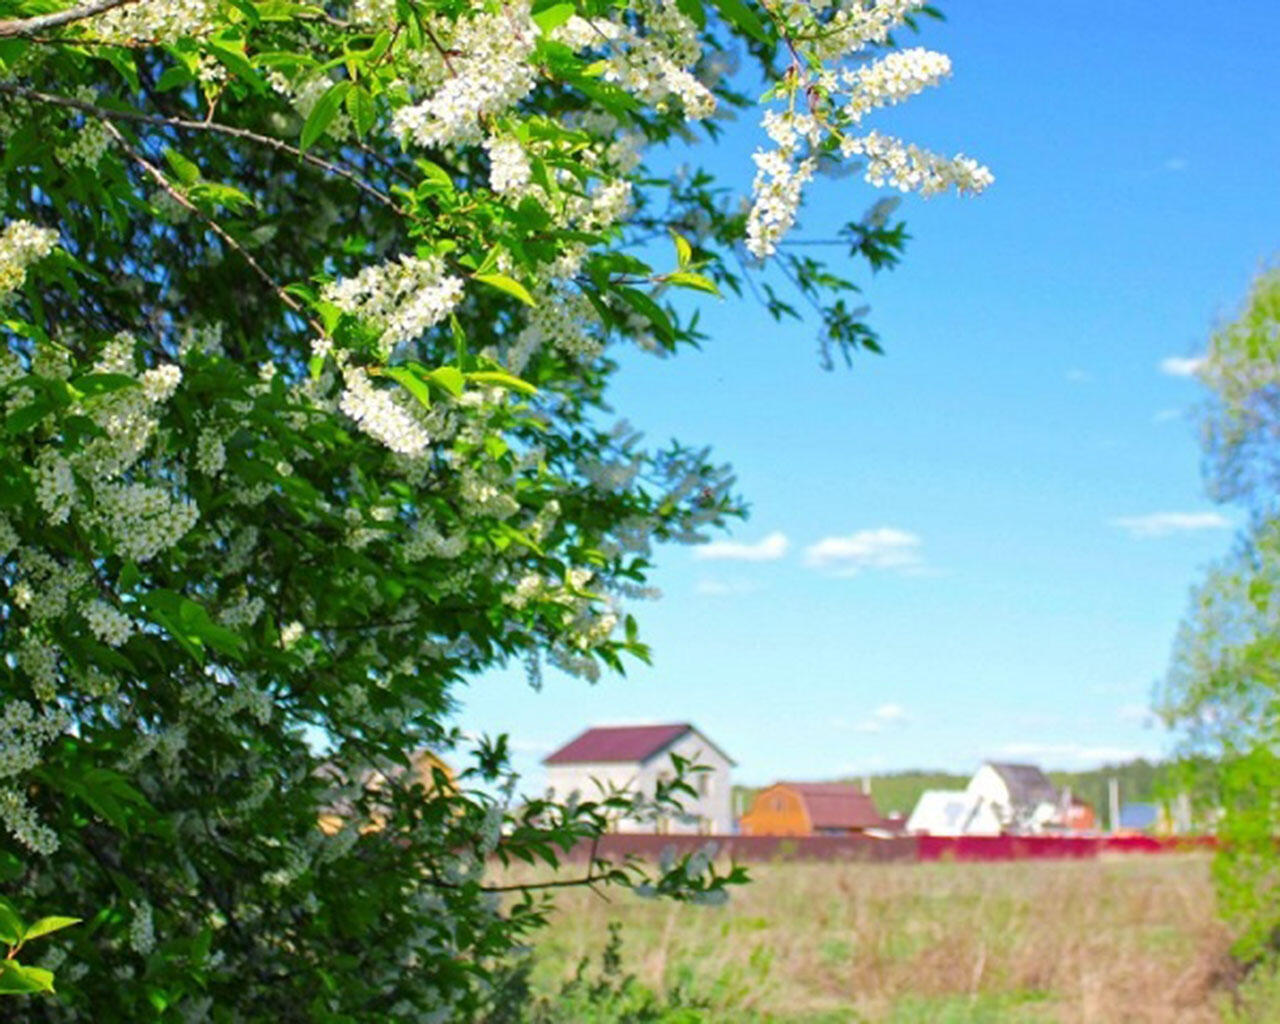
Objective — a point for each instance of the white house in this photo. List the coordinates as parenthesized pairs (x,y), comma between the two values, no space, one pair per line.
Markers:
(952,812)
(633,758)
(1023,797)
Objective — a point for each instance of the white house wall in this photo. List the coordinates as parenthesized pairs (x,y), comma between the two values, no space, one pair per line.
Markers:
(988,786)
(713,810)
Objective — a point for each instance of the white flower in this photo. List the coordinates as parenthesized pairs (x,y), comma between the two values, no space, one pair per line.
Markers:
(22,244)
(509,170)
(403,296)
(55,487)
(109,625)
(381,416)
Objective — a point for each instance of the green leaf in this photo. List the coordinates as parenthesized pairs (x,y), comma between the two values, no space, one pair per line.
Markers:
(186,171)
(685,279)
(652,312)
(94,384)
(411,382)
(684,251)
(48,925)
(174,77)
(217,194)
(235,62)
(503,380)
(362,110)
(450,378)
(18,979)
(742,17)
(21,420)
(323,113)
(553,17)
(12,928)
(506,284)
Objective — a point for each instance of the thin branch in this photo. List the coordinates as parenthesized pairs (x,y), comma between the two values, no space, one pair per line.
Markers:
(158,177)
(27,26)
(183,124)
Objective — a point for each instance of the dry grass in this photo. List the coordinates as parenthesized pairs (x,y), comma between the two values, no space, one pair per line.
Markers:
(1132,940)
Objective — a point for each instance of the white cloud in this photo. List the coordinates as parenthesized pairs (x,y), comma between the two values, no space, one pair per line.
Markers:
(767,549)
(1165,415)
(884,717)
(1176,164)
(724,588)
(1163,524)
(1070,755)
(882,548)
(1181,366)
(1077,376)
(1138,713)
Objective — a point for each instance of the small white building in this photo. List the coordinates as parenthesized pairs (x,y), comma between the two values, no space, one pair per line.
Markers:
(633,758)
(952,812)
(1023,797)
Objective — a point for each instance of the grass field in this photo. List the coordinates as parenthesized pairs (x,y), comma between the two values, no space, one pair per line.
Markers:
(1128,939)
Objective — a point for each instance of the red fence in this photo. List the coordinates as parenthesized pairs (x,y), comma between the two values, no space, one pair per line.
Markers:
(899,848)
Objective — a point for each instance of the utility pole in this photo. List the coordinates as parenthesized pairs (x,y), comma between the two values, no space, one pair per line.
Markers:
(1113,786)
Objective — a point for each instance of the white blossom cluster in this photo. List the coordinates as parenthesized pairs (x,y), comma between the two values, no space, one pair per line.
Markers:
(486,71)
(89,136)
(384,415)
(55,486)
(655,65)
(426,541)
(509,170)
(142,935)
(22,244)
(404,296)
(910,168)
(142,519)
(835,101)
(111,626)
(160,21)
(778,188)
(894,78)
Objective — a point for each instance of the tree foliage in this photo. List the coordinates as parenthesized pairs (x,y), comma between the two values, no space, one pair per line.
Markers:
(310,312)
(1223,689)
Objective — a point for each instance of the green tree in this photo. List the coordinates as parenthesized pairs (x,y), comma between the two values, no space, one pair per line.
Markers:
(310,313)
(1223,688)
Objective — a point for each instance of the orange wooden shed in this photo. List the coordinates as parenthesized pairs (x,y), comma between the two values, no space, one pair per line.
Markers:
(810,809)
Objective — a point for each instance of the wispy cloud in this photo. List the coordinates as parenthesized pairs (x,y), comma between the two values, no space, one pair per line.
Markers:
(724,588)
(882,548)
(1078,376)
(1181,366)
(1164,524)
(1165,415)
(886,716)
(1138,713)
(1070,755)
(767,549)
(1175,164)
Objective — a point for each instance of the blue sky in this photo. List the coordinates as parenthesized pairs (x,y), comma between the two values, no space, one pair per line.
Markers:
(981,544)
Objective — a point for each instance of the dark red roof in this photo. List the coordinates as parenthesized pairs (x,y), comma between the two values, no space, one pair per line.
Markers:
(618,743)
(837,805)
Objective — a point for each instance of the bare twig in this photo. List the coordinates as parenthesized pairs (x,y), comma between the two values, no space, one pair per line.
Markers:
(158,177)
(213,127)
(28,26)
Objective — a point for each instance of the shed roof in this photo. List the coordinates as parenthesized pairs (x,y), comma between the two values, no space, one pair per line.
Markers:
(623,743)
(836,804)
(1027,784)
